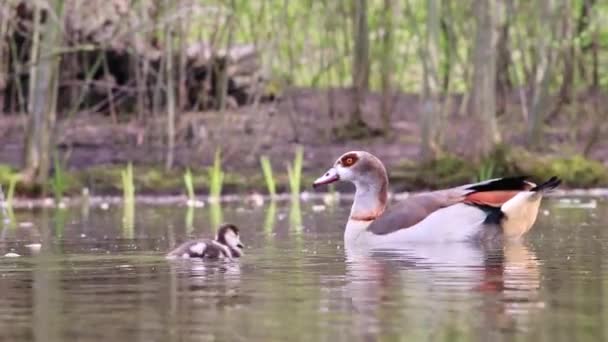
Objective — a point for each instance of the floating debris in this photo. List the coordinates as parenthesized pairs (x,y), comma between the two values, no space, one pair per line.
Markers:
(576,203)
(35,247)
(318,207)
(256,199)
(11,255)
(195,203)
(26,224)
(401,196)
(331,198)
(104,206)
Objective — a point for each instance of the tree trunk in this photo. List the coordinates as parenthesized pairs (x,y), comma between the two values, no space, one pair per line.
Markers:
(483,100)
(42,99)
(430,118)
(170,75)
(5,8)
(503,61)
(543,74)
(361,67)
(564,96)
(387,67)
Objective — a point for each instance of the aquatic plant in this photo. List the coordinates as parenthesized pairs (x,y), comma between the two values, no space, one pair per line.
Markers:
(216,217)
(189,183)
(270,218)
(189,219)
(6,204)
(216,177)
(486,170)
(128,193)
(4,207)
(294,171)
(128,187)
(58,182)
(10,193)
(268,176)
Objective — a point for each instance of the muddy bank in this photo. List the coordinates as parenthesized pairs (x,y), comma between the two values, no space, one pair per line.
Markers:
(93,149)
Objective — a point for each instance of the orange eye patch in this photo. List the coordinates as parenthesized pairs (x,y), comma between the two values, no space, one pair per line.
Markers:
(349,159)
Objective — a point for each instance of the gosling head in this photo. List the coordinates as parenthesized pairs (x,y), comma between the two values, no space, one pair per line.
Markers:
(228,235)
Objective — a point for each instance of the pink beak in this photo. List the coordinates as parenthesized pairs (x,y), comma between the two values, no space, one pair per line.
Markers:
(329,177)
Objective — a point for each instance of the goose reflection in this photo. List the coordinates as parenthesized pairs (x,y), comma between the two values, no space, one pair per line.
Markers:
(440,287)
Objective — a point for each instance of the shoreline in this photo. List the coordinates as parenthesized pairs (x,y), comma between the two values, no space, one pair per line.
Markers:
(256,199)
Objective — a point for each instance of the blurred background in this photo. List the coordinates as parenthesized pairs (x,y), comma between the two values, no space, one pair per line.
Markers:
(443,91)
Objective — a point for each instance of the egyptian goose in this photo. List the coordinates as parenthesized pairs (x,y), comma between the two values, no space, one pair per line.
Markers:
(502,207)
(226,245)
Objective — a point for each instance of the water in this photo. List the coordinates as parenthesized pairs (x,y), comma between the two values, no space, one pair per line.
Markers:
(100,275)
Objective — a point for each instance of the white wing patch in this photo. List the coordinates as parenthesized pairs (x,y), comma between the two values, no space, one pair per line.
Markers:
(198,248)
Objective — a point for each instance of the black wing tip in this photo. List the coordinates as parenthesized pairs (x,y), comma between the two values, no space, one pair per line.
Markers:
(505,183)
(550,184)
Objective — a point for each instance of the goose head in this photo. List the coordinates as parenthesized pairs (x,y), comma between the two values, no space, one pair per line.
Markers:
(369,176)
(358,167)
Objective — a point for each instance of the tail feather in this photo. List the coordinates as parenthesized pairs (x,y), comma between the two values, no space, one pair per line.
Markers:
(549,185)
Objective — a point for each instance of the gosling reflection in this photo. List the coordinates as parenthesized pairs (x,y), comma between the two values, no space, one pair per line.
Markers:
(438,287)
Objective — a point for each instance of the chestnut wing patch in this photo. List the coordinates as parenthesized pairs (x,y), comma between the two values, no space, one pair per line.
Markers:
(490,198)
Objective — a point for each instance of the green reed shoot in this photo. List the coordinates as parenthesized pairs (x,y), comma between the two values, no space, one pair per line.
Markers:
(128,191)
(8,215)
(486,171)
(10,193)
(268,176)
(216,176)
(216,216)
(128,187)
(189,182)
(294,172)
(58,182)
(270,218)
(189,219)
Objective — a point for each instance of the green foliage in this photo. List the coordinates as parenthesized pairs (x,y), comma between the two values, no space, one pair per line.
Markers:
(268,176)
(58,182)
(446,170)
(128,186)
(486,170)
(10,193)
(216,176)
(294,171)
(575,171)
(189,183)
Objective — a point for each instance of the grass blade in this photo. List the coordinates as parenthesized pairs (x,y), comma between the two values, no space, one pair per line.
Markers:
(268,175)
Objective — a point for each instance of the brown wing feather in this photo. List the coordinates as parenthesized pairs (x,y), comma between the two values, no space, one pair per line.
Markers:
(413,210)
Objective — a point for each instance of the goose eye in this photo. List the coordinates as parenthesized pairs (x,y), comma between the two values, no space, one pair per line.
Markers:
(349,161)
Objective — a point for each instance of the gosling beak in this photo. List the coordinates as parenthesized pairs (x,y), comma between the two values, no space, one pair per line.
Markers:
(240,245)
(329,177)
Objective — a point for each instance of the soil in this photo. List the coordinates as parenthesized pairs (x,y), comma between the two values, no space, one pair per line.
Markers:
(304,117)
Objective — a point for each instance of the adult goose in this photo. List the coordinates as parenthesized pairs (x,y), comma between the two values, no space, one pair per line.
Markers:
(501,207)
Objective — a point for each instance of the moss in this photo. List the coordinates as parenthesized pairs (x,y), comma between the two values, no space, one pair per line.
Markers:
(7,173)
(575,171)
(447,170)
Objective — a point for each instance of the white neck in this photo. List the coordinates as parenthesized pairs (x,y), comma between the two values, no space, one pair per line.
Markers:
(370,201)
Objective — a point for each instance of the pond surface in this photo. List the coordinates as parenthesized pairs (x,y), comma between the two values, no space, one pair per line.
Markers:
(101,275)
